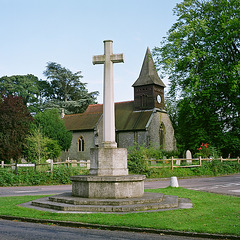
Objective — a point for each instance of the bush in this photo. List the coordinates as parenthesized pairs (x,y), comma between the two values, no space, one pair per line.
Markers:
(137,156)
(62,174)
(215,168)
(28,177)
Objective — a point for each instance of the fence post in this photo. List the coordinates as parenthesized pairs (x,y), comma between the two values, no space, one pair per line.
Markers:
(35,168)
(238,159)
(172,162)
(16,168)
(200,161)
(51,165)
(221,159)
(2,164)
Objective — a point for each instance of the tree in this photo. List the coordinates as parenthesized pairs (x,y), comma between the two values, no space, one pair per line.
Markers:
(201,55)
(53,127)
(15,121)
(34,91)
(68,91)
(39,148)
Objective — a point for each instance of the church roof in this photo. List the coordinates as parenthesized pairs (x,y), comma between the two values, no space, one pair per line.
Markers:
(125,117)
(148,74)
(81,121)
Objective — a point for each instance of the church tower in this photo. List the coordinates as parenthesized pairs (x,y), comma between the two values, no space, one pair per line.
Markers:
(148,88)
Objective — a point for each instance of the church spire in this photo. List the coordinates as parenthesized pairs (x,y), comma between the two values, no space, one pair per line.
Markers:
(148,88)
(148,74)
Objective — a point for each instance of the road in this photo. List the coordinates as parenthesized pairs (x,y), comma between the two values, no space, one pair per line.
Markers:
(229,185)
(224,185)
(10,230)
(13,230)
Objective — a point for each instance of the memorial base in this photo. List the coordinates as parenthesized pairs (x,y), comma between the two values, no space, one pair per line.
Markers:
(108,187)
(107,161)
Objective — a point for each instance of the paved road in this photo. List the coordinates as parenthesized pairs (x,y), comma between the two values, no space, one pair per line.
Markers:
(229,185)
(225,185)
(34,190)
(10,230)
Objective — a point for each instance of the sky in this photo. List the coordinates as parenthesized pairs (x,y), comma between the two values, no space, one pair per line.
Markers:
(71,32)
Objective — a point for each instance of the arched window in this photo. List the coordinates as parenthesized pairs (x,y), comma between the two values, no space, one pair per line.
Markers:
(162,135)
(81,144)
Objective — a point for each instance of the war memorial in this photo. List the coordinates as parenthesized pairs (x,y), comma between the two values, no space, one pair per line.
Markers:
(109,187)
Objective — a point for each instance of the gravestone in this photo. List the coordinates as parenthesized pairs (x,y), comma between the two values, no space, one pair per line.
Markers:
(178,162)
(73,163)
(189,157)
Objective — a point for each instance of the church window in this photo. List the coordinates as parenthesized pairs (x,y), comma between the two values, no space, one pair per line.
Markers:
(81,144)
(162,135)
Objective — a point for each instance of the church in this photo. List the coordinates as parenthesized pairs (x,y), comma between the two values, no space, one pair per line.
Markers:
(143,120)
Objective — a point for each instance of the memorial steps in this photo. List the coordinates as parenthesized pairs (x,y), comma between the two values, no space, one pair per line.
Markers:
(65,202)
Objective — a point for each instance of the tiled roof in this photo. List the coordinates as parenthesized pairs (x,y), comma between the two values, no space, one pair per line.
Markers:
(81,121)
(126,118)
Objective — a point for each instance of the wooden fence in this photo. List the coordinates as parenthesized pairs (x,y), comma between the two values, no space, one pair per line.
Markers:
(178,162)
(164,163)
(50,163)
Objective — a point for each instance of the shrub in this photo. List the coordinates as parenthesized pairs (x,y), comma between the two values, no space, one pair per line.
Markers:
(137,156)
(28,177)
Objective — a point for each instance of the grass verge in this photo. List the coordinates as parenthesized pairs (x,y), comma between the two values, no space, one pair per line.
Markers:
(211,213)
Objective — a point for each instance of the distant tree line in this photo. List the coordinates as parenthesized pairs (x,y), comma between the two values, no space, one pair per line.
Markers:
(62,90)
(30,123)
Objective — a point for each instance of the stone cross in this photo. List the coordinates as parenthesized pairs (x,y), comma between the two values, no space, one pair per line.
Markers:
(108,92)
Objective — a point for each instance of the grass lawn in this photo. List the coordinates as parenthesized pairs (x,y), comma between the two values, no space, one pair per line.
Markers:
(211,213)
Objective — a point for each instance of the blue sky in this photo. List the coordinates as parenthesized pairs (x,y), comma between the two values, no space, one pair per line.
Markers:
(70,32)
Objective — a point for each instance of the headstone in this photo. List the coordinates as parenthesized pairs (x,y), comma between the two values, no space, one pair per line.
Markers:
(189,157)
(62,113)
(74,163)
(178,162)
(82,163)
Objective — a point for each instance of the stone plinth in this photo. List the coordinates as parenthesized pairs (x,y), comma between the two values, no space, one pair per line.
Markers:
(108,162)
(66,203)
(105,187)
